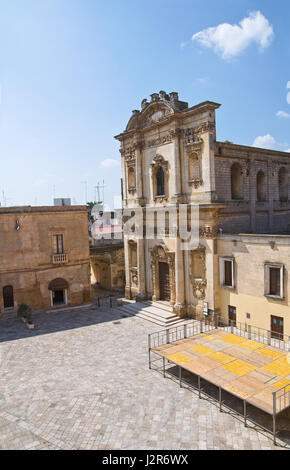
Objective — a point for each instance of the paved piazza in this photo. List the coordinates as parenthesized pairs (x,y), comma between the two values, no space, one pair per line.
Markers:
(81,381)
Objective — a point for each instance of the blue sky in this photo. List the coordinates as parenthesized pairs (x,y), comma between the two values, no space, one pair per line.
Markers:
(71,72)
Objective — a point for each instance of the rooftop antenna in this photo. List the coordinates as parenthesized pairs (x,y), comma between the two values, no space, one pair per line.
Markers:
(3,198)
(100,187)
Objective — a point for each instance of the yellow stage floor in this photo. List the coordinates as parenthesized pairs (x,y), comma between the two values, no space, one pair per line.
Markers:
(250,370)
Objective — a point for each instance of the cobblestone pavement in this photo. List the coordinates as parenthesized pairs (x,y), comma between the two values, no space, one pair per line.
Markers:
(81,381)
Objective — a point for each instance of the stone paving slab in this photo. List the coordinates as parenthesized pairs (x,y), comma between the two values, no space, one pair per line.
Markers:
(81,381)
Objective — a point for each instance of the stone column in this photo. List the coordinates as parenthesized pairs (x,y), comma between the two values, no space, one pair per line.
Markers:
(127,270)
(141,270)
(179,307)
(177,168)
(139,175)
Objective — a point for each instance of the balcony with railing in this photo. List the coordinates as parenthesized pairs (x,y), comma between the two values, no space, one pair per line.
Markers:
(59,258)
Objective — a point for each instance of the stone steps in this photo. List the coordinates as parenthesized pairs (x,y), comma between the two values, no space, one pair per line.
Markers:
(156,312)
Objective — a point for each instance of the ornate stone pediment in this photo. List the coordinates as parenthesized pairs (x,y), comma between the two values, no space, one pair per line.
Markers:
(158,161)
(151,114)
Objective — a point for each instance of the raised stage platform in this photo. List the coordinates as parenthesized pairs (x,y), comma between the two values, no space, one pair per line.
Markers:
(256,373)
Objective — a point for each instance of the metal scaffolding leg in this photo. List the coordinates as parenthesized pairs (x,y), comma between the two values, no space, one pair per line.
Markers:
(220,399)
(199,392)
(245,413)
(149,353)
(164,367)
(180,382)
(274,417)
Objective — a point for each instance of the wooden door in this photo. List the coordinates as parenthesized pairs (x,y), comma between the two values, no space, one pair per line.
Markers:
(277,327)
(232,315)
(8,297)
(164,281)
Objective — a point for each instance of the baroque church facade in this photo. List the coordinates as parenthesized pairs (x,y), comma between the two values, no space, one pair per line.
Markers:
(173,163)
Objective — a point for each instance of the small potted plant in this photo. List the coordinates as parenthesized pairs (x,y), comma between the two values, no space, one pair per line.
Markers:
(24,312)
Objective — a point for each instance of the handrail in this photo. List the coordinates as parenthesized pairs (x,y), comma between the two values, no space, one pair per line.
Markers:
(251,332)
(283,395)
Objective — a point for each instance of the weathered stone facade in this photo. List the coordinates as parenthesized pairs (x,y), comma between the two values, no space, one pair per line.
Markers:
(259,208)
(171,161)
(32,270)
(108,265)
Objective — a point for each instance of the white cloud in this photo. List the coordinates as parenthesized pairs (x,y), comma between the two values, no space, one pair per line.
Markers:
(230,40)
(288,94)
(282,114)
(110,163)
(287,150)
(266,141)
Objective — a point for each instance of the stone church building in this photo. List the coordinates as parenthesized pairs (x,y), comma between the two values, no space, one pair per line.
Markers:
(172,161)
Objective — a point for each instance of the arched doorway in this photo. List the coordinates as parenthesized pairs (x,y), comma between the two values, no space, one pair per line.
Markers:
(162,263)
(8,297)
(164,281)
(58,288)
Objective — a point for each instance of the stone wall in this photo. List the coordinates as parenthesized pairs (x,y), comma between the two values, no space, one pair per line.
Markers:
(26,254)
(108,266)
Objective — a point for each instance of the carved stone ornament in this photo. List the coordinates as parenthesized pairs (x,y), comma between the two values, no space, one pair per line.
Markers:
(134,277)
(208,231)
(192,134)
(194,153)
(199,287)
(157,113)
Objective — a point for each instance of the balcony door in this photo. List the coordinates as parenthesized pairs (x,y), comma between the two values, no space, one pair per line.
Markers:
(277,327)
(233,315)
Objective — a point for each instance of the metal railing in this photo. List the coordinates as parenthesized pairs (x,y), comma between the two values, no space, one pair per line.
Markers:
(281,398)
(194,327)
(59,258)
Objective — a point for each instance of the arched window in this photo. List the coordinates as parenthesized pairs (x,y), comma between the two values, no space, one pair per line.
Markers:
(160,182)
(261,186)
(283,184)
(237,182)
